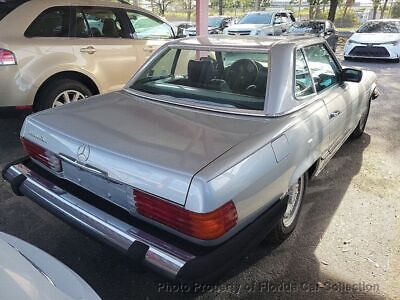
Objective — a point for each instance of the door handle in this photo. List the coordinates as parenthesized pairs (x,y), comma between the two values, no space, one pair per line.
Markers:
(88,50)
(334,114)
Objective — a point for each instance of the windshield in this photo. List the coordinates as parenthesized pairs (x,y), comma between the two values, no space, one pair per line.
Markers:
(380,27)
(257,18)
(214,22)
(307,27)
(212,78)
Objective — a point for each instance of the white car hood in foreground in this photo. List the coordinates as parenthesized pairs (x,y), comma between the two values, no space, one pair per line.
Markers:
(27,272)
(375,38)
(240,27)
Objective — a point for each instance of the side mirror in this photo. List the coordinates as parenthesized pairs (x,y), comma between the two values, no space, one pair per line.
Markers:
(351,75)
(329,31)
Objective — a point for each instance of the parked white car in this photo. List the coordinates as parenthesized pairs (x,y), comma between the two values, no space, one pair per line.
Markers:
(27,272)
(378,39)
(262,23)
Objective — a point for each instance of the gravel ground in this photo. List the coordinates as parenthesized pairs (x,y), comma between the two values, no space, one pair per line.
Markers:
(347,243)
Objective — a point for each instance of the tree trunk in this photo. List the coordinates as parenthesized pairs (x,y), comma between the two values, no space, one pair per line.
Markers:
(188,10)
(257,5)
(384,9)
(332,10)
(345,11)
(220,7)
(374,13)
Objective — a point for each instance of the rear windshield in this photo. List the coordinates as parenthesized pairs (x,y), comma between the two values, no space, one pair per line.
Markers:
(7,6)
(213,78)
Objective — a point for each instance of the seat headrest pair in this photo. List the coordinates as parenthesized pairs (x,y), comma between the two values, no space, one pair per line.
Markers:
(201,71)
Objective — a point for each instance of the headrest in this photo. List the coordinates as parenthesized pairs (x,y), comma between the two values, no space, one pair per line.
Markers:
(110,28)
(201,71)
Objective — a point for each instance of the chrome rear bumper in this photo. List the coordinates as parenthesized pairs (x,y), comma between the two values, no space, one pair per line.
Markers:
(159,256)
(172,259)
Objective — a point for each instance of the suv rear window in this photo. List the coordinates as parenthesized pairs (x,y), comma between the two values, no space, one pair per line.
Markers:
(7,6)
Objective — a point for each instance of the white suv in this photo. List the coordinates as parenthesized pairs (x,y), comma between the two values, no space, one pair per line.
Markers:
(262,23)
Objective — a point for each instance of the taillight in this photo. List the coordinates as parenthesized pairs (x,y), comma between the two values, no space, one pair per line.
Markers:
(40,154)
(7,58)
(207,226)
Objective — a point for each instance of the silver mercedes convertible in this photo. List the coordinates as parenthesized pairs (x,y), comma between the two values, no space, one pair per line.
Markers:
(206,151)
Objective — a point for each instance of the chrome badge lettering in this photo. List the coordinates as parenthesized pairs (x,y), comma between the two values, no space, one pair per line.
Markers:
(38,137)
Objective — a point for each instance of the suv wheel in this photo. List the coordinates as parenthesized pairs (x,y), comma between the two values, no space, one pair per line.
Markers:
(60,92)
(288,221)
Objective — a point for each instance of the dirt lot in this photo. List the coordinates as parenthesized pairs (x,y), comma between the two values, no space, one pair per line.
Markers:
(347,244)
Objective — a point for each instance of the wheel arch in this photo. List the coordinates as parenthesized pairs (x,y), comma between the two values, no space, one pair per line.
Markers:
(74,75)
(309,166)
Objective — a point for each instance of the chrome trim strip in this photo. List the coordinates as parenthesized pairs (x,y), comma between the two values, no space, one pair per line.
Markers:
(82,166)
(233,111)
(162,257)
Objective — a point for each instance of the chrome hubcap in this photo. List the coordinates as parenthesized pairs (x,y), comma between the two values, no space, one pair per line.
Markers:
(67,97)
(295,195)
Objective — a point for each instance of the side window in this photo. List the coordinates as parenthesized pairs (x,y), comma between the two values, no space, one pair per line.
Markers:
(285,18)
(53,22)
(322,66)
(303,80)
(98,22)
(163,68)
(147,27)
(278,19)
(292,18)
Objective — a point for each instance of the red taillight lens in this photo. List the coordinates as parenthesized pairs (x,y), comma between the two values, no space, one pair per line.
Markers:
(7,58)
(46,157)
(207,226)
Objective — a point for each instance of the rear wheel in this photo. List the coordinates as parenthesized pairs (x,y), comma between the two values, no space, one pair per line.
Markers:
(60,92)
(288,221)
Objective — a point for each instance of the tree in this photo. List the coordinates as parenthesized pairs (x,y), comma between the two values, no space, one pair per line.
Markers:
(375,6)
(349,3)
(383,8)
(395,11)
(332,10)
(162,5)
(188,7)
(220,7)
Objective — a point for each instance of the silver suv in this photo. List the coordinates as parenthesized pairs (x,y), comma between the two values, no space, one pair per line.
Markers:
(262,23)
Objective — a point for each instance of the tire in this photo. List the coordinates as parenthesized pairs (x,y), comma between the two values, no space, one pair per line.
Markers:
(60,90)
(359,130)
(288,222)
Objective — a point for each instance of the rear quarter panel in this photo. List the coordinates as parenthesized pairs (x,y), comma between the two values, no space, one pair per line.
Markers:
(259,171)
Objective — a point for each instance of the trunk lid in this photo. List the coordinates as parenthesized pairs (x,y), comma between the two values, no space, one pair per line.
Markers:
(148,145)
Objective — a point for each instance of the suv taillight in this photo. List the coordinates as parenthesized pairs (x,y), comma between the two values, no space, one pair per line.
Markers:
(207,226)
(40,154)
(7,58)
